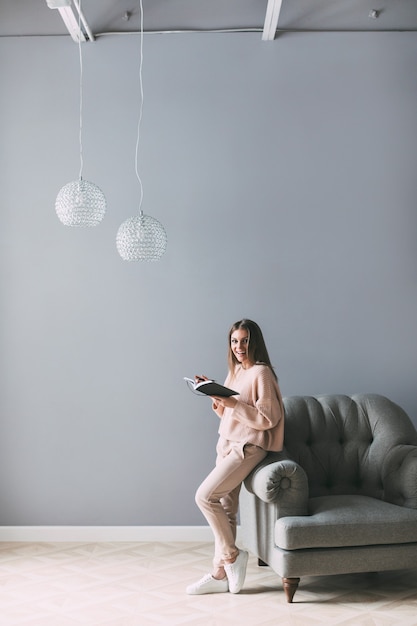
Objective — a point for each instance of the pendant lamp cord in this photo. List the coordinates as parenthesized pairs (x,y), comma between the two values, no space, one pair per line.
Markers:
(81,91)
(140,108)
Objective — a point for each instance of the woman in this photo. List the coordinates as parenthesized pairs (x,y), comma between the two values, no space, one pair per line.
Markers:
(251,424)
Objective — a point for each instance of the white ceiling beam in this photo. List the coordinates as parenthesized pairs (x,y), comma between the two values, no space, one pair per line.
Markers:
(271,20)
(74,20)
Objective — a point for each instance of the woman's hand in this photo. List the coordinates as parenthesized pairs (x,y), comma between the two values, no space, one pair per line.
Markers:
(229,402)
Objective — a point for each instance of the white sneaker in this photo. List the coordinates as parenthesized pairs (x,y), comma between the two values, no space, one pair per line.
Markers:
(236,572)
(208,584)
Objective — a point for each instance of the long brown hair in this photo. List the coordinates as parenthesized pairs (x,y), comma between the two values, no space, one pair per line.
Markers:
(257,351)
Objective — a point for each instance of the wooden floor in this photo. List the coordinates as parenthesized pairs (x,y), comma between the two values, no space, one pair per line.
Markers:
(143,584)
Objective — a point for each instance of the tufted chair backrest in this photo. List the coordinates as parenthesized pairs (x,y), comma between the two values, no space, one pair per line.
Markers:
(344,443)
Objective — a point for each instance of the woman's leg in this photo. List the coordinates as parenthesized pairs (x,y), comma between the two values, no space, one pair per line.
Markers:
(230,504)
(218,499)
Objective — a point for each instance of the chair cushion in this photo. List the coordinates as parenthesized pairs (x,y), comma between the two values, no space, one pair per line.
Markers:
(347,520)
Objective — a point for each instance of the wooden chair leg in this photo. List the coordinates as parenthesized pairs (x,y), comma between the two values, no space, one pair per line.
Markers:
(290,587)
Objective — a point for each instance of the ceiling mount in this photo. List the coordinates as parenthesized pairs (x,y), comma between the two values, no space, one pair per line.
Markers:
(73,19)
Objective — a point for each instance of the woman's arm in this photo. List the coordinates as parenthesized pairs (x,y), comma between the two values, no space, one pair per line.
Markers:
(266,409)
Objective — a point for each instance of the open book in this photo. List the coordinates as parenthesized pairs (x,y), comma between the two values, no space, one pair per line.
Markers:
(210,388)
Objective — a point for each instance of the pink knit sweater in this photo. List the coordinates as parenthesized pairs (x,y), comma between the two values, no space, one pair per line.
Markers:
(258,416)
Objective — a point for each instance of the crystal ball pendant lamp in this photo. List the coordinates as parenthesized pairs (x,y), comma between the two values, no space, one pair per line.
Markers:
(141,238)
(80,203)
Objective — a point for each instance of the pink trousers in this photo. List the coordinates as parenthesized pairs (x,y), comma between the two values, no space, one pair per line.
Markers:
(218,495)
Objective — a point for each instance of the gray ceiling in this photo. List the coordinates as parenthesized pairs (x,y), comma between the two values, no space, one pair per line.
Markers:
(34,17)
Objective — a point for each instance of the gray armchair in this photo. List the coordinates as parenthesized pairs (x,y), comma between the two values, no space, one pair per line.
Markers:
(342,496)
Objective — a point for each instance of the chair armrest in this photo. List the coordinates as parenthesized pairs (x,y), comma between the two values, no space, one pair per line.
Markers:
(282,482)
(400,476)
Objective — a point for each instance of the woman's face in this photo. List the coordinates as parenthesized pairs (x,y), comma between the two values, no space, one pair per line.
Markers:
(239,345)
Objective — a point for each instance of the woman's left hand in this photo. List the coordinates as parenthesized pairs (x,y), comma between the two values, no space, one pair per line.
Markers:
(229,402)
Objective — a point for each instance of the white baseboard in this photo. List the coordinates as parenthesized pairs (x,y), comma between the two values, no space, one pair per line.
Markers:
(105,533)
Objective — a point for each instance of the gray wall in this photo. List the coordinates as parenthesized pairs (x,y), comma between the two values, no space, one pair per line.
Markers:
(284,174)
